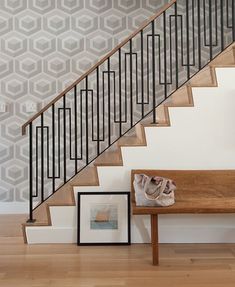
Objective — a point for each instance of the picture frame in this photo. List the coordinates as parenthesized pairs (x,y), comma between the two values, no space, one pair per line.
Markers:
(103,218)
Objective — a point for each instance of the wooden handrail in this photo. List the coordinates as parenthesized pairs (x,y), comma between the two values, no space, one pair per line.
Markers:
(146,23)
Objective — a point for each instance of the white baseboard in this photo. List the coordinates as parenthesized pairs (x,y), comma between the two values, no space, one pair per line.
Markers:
(176,234)
(188,228)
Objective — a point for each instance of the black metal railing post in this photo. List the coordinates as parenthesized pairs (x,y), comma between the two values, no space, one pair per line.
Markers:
(109,104)
(31,220)
(64,137)
(131,86)
(42,157)
(233,19)
(153,73)
(75,130)
(53,148)
(87,122)
(142,71)
(222,23)
(176,48)
(120,90)
(165,56)
(199,34)
(98,110)
(210,30)
(187,40)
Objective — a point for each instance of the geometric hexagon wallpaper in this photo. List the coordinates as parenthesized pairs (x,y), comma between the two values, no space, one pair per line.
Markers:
(44,46)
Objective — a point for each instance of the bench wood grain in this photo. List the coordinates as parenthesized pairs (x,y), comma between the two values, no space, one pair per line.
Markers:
(198,191)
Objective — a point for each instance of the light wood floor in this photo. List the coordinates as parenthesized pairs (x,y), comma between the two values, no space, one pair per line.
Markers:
(67,265)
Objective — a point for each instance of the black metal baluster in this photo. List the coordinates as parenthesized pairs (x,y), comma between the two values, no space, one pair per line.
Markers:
(210,30)
(64,136)
(233,19)
(170,82)
(227,13)
(59,144)
(176,48)
(142,71)
(165,60)
(205,23)
(136,77)
(216,22)
(125,86)
(147,66)
(153,72)
(30,174)
(187,32)
(103,108)
(53,147)
(36,166)
(87,123)
(199,34)
(193,32)
(120,90)
(48,153)
(98,110)
(75,130)
(109,106)
(81,127)
(42,158)
(131,86)
(222,23)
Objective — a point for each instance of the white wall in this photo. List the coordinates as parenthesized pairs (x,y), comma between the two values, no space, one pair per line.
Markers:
(201,137)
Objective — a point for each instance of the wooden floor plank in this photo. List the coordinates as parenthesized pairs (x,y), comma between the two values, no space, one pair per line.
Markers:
(67,265)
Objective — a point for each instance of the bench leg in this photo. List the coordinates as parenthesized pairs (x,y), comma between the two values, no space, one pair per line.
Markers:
(154,238)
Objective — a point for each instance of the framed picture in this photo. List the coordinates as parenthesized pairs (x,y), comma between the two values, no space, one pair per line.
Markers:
(103,218)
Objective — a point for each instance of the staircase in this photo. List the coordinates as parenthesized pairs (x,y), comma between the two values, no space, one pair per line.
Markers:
(132,88)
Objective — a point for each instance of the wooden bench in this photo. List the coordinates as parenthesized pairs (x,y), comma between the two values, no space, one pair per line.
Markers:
(198,191)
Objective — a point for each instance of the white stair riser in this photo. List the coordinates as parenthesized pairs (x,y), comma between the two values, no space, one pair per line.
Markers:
(63,216)
(50,234)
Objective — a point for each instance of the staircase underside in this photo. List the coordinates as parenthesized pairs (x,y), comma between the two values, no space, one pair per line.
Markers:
(89,176)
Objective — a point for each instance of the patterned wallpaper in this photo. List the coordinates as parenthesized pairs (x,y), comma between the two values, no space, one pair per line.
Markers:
(44,46)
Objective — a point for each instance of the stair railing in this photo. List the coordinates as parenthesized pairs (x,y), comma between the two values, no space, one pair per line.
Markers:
(123,88)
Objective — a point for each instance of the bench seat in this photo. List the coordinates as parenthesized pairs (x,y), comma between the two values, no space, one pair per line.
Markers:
(198,191)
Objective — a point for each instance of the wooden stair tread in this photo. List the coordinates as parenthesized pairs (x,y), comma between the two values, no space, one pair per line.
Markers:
(149,123)
(88,176)
(226,59)
(36,223)
(181,98)
(109,158)
(162,118)
(205,78)
(223,65)
(131,141)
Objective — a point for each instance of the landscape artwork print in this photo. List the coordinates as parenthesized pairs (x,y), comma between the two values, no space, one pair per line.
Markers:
(103,216)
